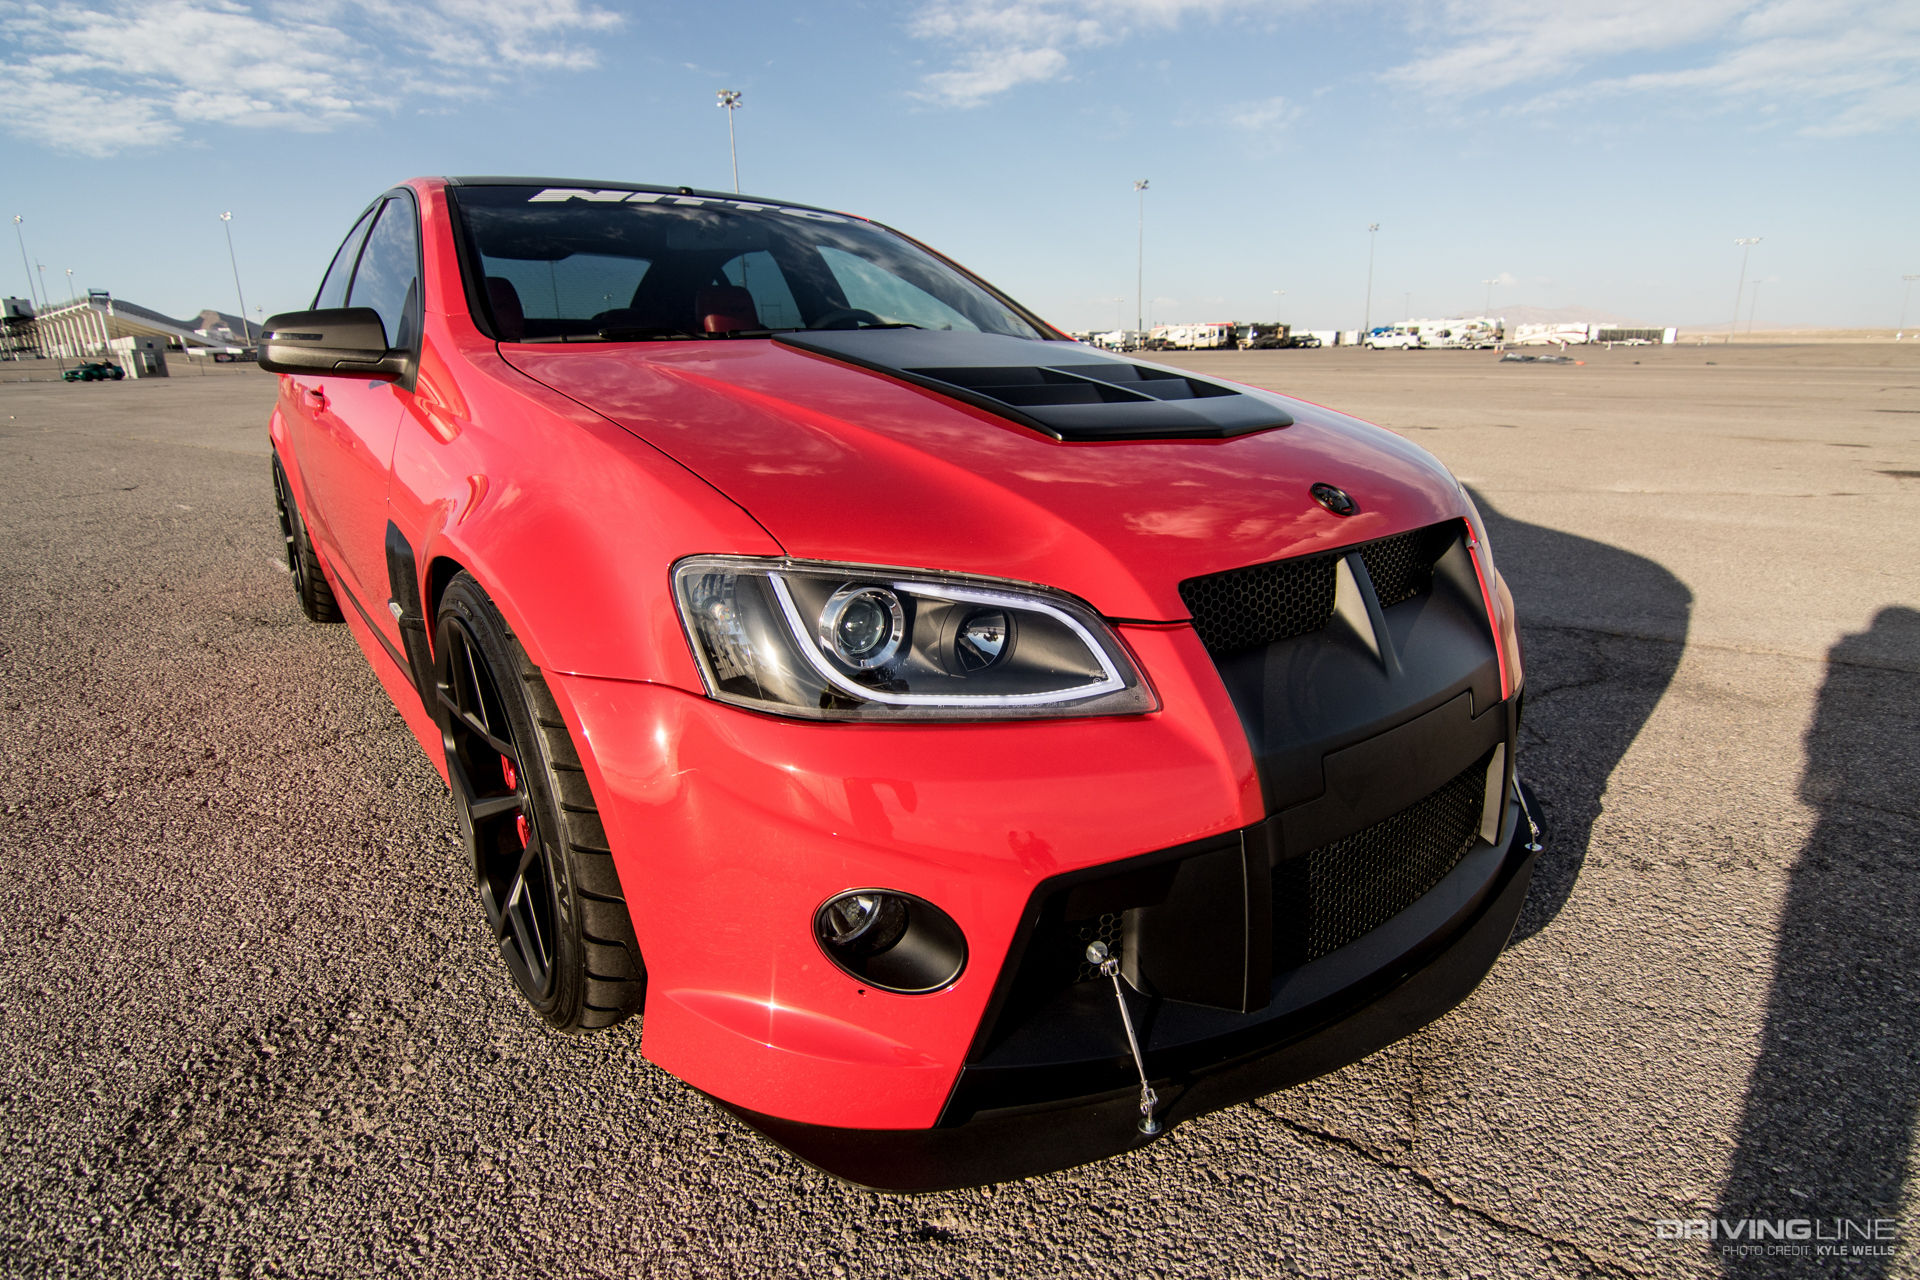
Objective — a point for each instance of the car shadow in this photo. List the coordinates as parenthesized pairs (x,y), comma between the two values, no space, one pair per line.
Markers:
(1601,634)
(1827,1128)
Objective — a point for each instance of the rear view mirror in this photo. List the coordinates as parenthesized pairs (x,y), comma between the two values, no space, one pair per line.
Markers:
(345,341)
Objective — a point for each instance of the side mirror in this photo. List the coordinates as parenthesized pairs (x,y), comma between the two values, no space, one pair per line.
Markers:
(348,342)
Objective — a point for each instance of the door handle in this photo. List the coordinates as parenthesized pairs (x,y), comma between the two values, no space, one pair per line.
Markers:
(316,396)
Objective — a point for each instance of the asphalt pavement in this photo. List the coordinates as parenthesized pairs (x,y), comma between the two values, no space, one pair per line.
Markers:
(253,1025)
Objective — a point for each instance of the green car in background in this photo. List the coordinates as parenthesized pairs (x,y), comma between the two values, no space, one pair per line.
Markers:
(94,371)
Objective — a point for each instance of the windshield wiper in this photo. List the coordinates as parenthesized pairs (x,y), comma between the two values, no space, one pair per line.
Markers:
(643,333)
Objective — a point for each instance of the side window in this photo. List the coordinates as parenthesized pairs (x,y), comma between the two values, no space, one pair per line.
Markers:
(388,279)
(333,288)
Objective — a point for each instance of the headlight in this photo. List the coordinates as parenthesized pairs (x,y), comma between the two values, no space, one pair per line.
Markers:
(855,642)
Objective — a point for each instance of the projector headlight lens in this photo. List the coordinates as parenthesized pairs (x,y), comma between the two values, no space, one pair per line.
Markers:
(856,642)
(863,625)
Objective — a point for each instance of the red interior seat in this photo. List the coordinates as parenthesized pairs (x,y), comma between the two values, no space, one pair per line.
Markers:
(722,308)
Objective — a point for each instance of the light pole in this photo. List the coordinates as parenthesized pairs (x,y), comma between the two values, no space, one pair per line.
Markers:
(1373,236)
(1746,248)
(246,338)
(69,284)
(1486,310)
(1754,309)
(1140,262)
(1903,304)
(43,295)
(21,237)
(730,99)
(1278,293)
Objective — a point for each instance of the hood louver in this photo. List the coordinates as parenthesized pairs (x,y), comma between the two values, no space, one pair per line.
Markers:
(1063,390)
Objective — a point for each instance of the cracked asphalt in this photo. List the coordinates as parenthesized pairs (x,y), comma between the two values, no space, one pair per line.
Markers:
(253,1024)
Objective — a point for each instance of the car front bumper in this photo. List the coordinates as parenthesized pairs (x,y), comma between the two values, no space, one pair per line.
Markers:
(1322,1016)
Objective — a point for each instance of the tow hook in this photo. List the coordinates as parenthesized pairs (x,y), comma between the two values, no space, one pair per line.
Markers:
(1100,957)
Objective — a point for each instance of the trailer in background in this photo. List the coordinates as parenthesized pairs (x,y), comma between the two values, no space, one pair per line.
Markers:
(1191,337)
(1537,335)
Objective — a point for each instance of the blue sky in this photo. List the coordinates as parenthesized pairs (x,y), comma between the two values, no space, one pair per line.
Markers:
(1604,154)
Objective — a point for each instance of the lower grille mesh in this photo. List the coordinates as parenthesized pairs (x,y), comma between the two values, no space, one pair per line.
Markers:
(1339,892)
(1106,929)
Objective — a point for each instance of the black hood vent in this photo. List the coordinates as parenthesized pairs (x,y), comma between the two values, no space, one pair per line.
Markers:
(1063,390)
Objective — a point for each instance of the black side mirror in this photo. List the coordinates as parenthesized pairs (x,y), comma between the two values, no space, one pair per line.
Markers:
(348,342)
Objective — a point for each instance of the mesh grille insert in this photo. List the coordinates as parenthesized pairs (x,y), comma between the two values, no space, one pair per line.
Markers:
(1402,566)
(1264,603)
(1341,891)
(1105,929)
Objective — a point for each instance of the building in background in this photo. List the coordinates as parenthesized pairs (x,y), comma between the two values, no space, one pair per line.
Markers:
(85,328)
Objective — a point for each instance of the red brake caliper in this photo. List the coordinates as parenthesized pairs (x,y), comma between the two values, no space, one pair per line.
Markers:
(520,824)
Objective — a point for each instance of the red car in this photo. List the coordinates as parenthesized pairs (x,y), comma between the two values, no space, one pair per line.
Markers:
(974,751)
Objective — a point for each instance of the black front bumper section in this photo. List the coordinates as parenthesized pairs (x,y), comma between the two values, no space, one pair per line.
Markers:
(1322,1016)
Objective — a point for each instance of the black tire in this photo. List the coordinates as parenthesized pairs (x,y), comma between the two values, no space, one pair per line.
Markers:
(539,853)
(309,579)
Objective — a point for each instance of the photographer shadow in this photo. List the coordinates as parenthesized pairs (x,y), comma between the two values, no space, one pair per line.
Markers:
(1827,1128)
(1602,631)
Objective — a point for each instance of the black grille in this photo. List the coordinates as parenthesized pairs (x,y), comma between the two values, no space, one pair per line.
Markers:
(1402,566)
(1332,895)
(1263,603)
(1106,929)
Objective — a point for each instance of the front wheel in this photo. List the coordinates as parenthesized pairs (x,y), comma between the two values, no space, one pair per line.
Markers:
(539,853)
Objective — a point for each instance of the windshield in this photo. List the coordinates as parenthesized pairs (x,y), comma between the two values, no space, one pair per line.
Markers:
(561,264)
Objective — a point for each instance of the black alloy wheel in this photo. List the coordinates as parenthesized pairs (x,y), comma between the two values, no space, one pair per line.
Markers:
(539,853)
(309,579)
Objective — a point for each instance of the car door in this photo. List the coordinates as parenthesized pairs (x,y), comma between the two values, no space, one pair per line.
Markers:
(353,422)
(298,398)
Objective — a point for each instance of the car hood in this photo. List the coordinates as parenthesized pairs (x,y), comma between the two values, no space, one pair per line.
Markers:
(847,463)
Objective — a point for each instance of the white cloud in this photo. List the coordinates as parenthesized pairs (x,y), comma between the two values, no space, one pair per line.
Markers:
(1841,66)
(1266,116)
(981,75)
(103,76)
(1001,44)
(1832,66)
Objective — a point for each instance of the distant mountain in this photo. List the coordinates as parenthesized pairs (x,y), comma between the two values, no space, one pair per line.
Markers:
(1587,315)
(1758,326)
(208,319)
(211,319)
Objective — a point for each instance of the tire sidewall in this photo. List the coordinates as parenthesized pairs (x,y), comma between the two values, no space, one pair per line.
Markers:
(465,603)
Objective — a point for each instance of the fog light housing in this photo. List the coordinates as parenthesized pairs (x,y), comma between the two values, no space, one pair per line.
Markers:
(892,941)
